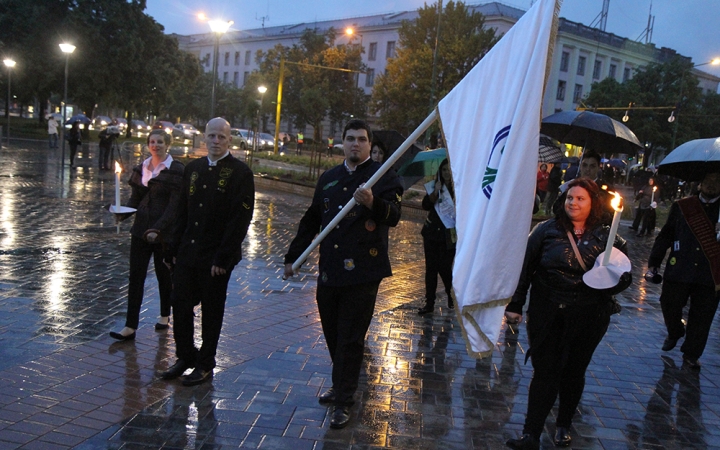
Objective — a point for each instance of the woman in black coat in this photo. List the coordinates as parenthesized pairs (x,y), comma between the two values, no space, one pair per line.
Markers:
(74,140)
(439,239)
(566,318)
(156,188)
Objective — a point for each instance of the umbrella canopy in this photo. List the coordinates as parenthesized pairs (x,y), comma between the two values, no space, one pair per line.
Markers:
(549,152)
(392,140)
(79,118)
(617,163)
(591,130)
(692,160)
(424,164)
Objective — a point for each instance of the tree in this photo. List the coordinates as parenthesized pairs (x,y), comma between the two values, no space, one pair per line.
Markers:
(401,95)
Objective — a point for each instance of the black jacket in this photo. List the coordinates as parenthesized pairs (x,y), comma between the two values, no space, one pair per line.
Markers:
(687,262)
(552,268)
(434,229)
(215,211)
(157,203)
(356,251)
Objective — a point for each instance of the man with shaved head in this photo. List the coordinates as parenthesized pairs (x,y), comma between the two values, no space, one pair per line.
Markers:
(215,212)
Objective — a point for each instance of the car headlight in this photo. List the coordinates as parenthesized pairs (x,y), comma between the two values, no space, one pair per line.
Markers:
(168,130)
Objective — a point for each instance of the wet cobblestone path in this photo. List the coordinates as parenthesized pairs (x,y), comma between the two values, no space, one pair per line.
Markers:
(67,384)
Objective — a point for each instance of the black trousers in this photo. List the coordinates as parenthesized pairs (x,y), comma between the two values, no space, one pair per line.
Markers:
(73,151)
(639,214)
(438,260)
(104,156)
(140,253)
(194,285)
(567,339)
(703,305)
(345,314)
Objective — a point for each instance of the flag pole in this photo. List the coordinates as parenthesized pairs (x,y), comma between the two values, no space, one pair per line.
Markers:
(369,184)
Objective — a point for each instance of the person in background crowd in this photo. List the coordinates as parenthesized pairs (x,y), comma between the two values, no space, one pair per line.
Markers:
(554,182)
(74,140)
(543,177)
(644,197)
(378,151)
(52,132)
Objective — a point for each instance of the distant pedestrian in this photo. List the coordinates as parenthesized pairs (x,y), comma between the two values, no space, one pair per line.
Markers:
(52,132)
(692,271)
(378,151)
(554,182)
(300,140)
(353,258)
(74,140)
(542,179)
(106,140)
(331,142)
(644,198)
(156,187)
(216,207)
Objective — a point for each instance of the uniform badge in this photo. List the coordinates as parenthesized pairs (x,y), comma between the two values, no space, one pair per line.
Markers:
(324,277)
(672,261)
(373,252)
(222,182)
(349,264)
(329,185)
(225,172)
(370,225)
(194,176)
(192,189)
(326,204)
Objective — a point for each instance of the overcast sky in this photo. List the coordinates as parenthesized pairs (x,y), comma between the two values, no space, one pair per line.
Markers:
(688,26)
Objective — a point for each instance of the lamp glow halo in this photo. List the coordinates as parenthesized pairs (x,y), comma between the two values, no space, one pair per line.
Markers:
(605,277)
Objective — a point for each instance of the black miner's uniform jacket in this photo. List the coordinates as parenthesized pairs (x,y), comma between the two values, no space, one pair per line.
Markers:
(356,251)
(214,214)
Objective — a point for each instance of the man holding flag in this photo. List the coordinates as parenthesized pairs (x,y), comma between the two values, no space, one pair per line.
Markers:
(353,258)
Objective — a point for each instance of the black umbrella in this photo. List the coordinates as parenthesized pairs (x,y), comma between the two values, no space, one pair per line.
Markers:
(692,160)
(591,130)
(549,152)
(392,140)
(79,118)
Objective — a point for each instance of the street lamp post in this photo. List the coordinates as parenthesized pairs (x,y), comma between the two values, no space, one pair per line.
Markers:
(9,63)
(674,117)
(350,32)
(67,49)
(219,27)
(262,90)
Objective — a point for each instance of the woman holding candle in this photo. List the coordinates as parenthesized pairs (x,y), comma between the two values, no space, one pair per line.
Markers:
(156,187)
(566,318)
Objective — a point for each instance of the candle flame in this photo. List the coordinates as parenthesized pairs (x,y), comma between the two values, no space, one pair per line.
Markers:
(118,168)
(654,188)
(616,201)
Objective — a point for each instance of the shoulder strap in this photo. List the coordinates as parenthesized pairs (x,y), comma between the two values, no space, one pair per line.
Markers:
(577,252)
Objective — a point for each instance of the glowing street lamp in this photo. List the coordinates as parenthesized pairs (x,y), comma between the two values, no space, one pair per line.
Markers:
(67,49)
(9,63)
(262,90)
(219,27)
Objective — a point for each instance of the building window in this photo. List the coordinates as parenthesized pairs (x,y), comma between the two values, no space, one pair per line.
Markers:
(613,70)
(207,59)
(577,95)
(245,77)
(225,77)
(370,78)
(237,58)
(372,52)
(581,66)
(390,53)
(236,79)
(626,74)
(561,90)
(247,58)
(596,70)
(227,58)
(564,61)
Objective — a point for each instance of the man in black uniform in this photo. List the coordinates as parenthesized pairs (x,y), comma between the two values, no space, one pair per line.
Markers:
(215,212)
(353,258)
(692,270)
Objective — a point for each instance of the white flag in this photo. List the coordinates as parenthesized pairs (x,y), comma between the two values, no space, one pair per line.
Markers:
(491,123)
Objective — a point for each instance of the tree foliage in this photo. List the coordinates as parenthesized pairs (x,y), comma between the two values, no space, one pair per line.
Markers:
(664,87)
(402,94)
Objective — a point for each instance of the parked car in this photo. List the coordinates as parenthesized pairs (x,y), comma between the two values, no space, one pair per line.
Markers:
(186,131)
(100,122)
(140,128)
(121,124)
(240,138)
(165,125)
(266,142)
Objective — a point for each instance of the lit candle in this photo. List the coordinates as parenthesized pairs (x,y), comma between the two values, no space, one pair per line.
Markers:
(618,207)
(652,197)
(118,170)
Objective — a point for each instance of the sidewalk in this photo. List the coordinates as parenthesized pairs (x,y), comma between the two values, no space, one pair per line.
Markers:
(67,384)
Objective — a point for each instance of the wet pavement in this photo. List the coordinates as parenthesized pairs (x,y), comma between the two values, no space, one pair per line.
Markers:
(67,384)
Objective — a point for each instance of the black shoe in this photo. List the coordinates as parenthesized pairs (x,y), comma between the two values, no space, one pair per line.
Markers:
(526,442)
(451,305)
(691,363)
(161,326)
(670,343)
(120,337)
(562,437)
(428,308)
(632,228)
(640,235)
(327,397)
(340,417)
(197,376)
(176,370)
